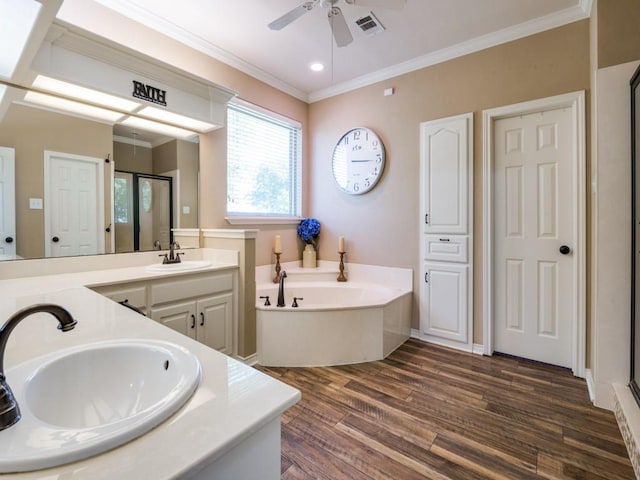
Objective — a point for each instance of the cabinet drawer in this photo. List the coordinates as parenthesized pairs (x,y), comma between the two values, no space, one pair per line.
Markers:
(446,248)
(136,296)
(194,286)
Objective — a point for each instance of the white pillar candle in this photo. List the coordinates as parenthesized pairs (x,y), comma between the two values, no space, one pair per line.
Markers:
(277,246)
(341,244)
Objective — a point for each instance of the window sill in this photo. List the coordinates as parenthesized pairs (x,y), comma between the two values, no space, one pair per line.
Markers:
(248,220)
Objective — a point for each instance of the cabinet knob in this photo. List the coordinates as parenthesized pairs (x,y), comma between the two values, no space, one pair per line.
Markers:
(55,239)
(564,250)
(9,239)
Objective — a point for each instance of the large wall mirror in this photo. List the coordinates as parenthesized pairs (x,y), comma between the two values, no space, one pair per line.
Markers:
(74,186)
(635,235)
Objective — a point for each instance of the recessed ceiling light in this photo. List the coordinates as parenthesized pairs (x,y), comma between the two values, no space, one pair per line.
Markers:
(316,67)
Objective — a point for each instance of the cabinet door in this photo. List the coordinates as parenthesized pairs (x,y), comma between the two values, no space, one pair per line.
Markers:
(444,301)
(180,317)
(445,147)
(215,322)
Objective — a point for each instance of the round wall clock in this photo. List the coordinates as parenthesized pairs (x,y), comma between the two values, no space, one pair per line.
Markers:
(358,160)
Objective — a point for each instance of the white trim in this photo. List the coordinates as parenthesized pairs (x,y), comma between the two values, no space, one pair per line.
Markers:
(249,220)
(112,208)
(575,101)
(537,25)
(47,196)
(251,360)
(591,388)
(557,19)
(229,233)
(478,349)
(416,334)
(150,19)
(186,232)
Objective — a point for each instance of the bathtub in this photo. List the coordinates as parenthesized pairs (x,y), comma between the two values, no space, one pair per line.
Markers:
(334,323)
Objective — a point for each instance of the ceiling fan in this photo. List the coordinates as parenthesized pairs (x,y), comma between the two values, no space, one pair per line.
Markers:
(339,27)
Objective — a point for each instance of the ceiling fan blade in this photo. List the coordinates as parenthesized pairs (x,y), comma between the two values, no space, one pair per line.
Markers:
(390,4)
(339,27)
(287,18)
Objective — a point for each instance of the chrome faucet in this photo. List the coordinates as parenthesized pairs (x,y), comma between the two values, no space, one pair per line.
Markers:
(281,303)
(172,257)
(9,409)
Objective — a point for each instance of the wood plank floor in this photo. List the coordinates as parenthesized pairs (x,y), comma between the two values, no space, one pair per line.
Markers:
(427,412)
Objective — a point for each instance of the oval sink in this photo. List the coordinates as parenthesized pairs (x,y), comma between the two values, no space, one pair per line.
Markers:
(178,267)
(83,401)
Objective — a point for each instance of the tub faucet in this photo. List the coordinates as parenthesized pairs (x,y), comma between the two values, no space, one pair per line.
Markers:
(9,409)
(281,303)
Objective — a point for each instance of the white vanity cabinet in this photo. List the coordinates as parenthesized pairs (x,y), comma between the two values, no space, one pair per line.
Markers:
(199,305)
(446,251)
(133,294)
(201,308)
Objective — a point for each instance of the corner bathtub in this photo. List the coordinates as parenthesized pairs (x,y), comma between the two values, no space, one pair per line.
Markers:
(334,324)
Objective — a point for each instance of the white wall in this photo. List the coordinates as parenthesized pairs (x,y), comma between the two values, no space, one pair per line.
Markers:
(611,216)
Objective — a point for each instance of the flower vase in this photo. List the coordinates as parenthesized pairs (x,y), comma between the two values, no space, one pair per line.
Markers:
(309,256)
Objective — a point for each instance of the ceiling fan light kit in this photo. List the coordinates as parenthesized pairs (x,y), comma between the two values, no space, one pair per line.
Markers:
(368,24)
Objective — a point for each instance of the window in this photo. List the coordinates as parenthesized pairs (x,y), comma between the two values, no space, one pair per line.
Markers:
(121,196)
(263,163)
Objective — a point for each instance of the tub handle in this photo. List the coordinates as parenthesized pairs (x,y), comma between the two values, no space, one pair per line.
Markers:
(295,301)
(267,303)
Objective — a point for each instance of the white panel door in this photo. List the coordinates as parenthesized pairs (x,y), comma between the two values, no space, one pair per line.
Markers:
(7,204)
(445,301)
(445,166)
(74,205)
(534,293)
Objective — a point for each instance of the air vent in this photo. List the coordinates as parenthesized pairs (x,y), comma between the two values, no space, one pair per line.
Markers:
(369,24)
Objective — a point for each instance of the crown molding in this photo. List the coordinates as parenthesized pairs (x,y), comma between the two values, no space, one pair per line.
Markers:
(578,12)
(564,17)
(196,42)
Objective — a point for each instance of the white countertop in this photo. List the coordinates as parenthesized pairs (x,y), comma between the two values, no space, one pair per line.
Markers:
(232,401)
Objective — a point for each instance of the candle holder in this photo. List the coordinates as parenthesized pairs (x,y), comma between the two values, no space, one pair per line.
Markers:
(341,277)
(276,279)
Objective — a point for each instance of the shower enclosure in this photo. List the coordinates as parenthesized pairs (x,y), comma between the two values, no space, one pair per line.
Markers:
(143,211)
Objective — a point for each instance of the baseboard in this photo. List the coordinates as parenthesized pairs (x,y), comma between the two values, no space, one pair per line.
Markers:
(478,348)
(251,360)
(590,385)
(443,342)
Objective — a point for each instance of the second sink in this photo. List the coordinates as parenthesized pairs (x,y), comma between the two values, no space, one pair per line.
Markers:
(178,267)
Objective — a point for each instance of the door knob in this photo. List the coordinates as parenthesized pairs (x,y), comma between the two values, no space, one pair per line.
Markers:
(9,239)
(564,250)
(55,239)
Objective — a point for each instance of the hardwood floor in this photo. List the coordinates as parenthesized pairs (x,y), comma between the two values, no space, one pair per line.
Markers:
(434,413)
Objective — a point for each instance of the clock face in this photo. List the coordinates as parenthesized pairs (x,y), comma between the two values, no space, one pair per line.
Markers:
(358,161)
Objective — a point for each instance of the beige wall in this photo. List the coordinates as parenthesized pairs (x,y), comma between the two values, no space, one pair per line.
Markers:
(618,32)
(130,158)
(189,166)
(382,227)
(32,131)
